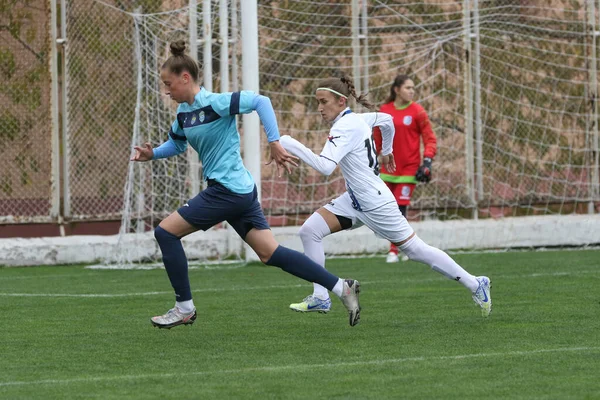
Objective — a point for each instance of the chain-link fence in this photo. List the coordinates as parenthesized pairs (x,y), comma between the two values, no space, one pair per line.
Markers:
(25,128)
(101,93)
(506,85)
(535,114)
(307,41)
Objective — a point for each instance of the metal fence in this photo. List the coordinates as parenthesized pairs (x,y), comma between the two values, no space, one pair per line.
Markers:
(25,106)
(510,89)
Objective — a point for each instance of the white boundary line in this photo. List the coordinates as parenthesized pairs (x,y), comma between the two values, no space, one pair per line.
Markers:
(207,265)
(283,368)
(99,271)
(267,287)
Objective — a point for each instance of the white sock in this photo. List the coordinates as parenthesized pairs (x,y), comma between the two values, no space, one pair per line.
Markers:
(312,233)
(418,250)
(185,306)
(338,289)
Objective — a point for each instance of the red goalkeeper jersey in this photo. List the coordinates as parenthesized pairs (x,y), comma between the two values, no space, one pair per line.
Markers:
(411,124)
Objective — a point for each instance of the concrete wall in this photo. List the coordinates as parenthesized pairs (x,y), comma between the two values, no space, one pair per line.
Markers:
(546,231)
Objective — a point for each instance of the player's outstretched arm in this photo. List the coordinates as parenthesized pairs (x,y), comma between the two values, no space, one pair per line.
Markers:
(264,108)
(319,163)
(169,148)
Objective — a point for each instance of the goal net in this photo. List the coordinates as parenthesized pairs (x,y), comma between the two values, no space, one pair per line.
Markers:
(153,190)
(509,89)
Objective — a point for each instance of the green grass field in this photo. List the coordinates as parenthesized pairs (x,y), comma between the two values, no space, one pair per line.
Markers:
(70,332)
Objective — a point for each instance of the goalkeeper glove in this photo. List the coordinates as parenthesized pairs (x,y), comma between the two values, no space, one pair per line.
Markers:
(424,171)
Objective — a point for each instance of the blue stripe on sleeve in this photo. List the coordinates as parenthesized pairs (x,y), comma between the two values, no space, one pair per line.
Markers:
(234,106)
(175,136)
(327,158)
(264,108)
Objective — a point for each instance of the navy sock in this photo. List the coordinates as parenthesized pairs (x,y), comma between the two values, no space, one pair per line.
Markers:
(299,265)
(175,263)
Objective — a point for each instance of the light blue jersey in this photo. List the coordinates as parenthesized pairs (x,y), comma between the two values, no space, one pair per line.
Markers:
(209,126)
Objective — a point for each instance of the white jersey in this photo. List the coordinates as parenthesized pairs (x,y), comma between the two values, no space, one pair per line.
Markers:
(351,146)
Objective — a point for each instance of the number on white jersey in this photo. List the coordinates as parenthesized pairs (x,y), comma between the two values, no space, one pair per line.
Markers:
(372,154)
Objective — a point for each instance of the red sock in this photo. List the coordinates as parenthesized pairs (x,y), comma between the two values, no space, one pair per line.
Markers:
(393,248)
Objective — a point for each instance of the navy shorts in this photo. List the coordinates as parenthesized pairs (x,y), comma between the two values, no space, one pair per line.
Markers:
(216,204)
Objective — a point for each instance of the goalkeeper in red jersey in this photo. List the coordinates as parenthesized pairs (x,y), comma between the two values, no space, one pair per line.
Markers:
(412,124)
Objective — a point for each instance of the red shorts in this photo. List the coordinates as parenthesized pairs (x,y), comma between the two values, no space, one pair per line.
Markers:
(402,192)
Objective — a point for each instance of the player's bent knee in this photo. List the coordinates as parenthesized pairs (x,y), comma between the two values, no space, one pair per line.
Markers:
(263,243)
(307,233)
(264,254)
(162,235)
(264,259)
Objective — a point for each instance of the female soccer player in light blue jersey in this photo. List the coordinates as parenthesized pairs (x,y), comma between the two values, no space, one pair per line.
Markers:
(207,122)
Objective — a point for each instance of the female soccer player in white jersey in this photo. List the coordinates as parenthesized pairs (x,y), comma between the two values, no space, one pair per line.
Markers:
(207,122)
(367,200)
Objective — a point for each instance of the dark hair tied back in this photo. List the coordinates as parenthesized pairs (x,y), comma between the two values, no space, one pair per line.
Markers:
(345,86)
(178,48)
(179,61)
(360,99)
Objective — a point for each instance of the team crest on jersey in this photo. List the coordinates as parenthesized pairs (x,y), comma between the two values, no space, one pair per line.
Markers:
(407,120)
(193,119)
(330,138)
(405,192)
(201,116)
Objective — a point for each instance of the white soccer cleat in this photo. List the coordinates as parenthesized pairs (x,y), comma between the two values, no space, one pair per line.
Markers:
(391,258)
(483,296)
(172,318)
(349,297)
(404,258)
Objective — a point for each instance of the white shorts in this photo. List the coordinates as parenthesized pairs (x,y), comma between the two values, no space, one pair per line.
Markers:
(386,221)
